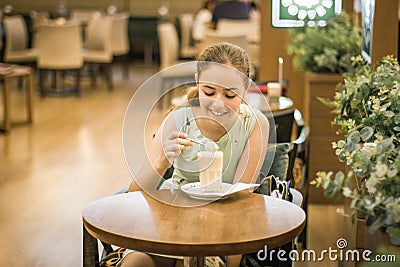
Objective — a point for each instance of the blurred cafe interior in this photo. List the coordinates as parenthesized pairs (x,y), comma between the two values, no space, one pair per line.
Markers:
(69,70)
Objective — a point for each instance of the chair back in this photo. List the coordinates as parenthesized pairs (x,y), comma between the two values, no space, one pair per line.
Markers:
(85,15)
(98,34)
(216,37)
(16,34)
(283,121)
(281,156)
(60,47)
(297,197)
(302,134)
(250,28)
(279,161)
(38,18)
(119,34)
(168,44)
(186,22)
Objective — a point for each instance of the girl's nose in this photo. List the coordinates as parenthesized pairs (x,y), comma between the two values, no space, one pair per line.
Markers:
(219,97)
(218,102)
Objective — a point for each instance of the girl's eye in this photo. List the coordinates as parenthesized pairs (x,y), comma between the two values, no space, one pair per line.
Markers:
(209,93)
(230,95)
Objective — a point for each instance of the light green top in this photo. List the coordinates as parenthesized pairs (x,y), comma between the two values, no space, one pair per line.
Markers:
(231,144)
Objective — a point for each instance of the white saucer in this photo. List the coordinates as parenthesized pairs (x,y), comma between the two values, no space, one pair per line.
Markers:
(195,190)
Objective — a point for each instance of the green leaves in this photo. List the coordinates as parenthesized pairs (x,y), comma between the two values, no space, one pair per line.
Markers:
(366,133)
(325,49)
(367,108)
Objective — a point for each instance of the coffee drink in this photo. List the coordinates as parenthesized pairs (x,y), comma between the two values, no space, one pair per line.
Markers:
(210,169)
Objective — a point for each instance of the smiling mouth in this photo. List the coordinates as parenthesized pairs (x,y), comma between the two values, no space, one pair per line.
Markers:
(217,113)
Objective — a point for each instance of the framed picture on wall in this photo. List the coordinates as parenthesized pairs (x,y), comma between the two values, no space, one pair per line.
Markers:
(367,23)
(299,13)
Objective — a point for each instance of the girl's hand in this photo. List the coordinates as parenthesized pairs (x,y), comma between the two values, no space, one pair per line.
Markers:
(174,144)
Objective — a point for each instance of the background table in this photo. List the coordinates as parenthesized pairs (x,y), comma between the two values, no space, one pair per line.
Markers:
(262,103)
(17,72)
(242,223)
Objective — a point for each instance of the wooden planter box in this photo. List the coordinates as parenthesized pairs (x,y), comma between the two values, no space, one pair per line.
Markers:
(379,239)
(322,133)
(358,237)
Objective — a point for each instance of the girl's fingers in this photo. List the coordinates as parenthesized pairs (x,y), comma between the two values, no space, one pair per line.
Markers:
(184,142)
(176,134)
(175,143)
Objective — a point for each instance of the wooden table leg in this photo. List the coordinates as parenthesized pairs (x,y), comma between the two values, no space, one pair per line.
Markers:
(29,99)
(6,101)
(193,261)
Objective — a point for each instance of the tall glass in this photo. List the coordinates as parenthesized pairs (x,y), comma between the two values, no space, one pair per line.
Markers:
(210,168)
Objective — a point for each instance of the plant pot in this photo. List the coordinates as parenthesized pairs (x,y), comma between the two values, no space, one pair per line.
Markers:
(322,133)
(379,242)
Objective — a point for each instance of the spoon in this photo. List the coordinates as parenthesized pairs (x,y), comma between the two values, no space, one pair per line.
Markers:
(208,144)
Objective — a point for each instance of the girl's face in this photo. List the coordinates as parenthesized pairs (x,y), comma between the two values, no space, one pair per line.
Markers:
(221,90)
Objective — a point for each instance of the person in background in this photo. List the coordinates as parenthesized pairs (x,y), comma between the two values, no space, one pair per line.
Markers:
(215,110)
(234,9)
(255,12)
(202,20)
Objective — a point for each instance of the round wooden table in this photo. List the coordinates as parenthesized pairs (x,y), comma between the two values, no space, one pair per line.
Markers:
(243,222)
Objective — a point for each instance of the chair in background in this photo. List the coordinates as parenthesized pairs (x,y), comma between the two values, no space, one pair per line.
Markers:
(120,39)
(38,18)
(290,129)
(238,39)
(16,48)
(85,15)
(250,28)
(291,155)
(173,73)
(187,50)
(60,51)
(169,45)
(301,168)
(283,121)
(98,53)
(216,37)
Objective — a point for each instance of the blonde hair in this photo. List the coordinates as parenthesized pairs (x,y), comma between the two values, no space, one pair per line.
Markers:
(227,54)
(222,53)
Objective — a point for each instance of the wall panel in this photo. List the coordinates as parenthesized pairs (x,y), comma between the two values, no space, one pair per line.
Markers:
(136,7)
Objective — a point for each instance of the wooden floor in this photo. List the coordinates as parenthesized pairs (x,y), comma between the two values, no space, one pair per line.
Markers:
(70,156)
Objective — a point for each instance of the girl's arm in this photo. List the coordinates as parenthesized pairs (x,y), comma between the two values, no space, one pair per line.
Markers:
(163,150)
(254,152)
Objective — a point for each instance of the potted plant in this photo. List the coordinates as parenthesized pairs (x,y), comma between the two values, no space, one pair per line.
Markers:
(323,53)
(325,49)
(367,108)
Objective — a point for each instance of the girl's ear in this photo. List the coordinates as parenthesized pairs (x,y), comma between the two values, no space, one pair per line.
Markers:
(246,89)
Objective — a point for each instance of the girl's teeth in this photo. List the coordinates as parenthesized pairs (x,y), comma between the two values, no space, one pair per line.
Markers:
(217,113)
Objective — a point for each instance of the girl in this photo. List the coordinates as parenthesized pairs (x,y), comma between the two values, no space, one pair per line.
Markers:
(216,111)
